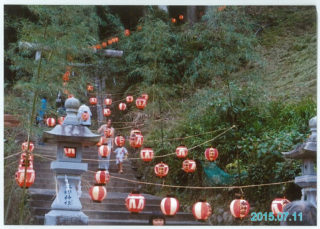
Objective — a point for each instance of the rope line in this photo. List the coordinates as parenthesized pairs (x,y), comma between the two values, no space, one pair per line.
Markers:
(12,155)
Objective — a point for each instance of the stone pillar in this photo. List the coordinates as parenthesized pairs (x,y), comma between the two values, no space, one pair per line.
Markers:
(66,208)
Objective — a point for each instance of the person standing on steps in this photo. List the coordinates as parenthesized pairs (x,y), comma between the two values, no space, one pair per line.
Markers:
(107,132)
(121,154)
(84,115)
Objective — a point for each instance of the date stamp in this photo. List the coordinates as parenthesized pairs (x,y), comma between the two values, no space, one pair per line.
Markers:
(280,217)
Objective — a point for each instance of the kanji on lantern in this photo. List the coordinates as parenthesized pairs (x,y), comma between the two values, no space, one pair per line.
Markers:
(201,210)
(161,169)
(104,150)
(211,154)
(278,204)
(146,154)
(137,141)
(98,193)
(24,146)
(108,132)
(239,208)
(108,102)
(93,100)
(189,166)
(106,112)
(141,103)
(51,122)
(102,177)
(181,151)
(135,202)
(25,178)
(169,206)
(25,163)
(119,141)
(23,156)
(70,152)
(129,99)
(122,106)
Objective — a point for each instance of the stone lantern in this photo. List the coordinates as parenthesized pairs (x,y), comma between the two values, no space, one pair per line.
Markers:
(66,208)
(307,152)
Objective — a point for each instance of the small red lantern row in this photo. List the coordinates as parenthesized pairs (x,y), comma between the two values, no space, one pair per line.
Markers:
(135,202)
(102,177)
(51,122)
(189,166)
(104,151)
(106,112)
(108,132)
(141,103)
(239,208)
(129,99)
(85,116)
(70,152)
(161,169)
(146,154)
(98,193)
(122,106)
(169,206)
(24,146)
(61,119)
(30,177)
(127,32)
(182,151)
(211,154)
(119,141)
(201,210)
(108,102)
(93,100)
(278,204)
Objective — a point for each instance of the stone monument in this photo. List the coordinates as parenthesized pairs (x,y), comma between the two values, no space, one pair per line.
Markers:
(70,138)
(307,152)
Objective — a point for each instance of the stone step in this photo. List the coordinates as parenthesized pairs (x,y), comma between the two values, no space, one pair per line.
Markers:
(120,215)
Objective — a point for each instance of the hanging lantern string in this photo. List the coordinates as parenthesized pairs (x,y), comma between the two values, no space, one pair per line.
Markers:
(12,155)
(124,98)
(188,187)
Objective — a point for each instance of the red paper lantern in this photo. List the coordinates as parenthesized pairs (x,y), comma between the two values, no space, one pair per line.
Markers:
(173,20)
(30,177)
(201,210)
(189,166)
(102,177)
(239,208)
(116,39)
(141,103)
(70,96)
(98,193)
(145,96)
(146,154)
(182,151)
(108,101)
(89,87)
(51,122)
(102,141)
(137,141)
(181,17)
(23,156)
(169,206)
(132,136)
(108,132)
(127,32)
(129,99)
(135,202)
(85,116)
(24,146)
(161,169)
(104,44)
(93,100)
(211,154)
(66,76)
(122,106)
(61,119)
(70,152)
(104,150)
(278,204)
(110,42)
(106,112)
(98,46)
(119,141)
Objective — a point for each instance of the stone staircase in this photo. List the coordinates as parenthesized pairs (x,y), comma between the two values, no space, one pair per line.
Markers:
(112,211)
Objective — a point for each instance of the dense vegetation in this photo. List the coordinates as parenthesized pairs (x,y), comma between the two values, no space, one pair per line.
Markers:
(252,67)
